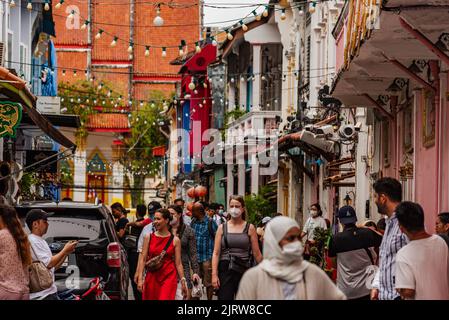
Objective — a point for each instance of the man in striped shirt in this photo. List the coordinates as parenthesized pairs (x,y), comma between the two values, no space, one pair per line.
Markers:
(388,195)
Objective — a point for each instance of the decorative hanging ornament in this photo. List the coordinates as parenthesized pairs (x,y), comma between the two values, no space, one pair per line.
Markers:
(244,26)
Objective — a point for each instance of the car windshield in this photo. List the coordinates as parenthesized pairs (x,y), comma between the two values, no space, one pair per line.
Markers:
(69,228)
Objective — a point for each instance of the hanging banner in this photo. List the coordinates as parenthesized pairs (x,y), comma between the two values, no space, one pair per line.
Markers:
(10,117)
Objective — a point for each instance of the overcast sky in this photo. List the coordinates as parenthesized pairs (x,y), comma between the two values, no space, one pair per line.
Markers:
(232,12)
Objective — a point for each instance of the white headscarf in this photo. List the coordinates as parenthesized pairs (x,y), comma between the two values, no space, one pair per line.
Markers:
(276,263)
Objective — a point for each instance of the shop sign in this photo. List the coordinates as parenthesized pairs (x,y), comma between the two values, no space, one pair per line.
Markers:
(10,117)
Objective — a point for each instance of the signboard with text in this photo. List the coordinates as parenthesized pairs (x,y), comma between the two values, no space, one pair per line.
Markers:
(48,105)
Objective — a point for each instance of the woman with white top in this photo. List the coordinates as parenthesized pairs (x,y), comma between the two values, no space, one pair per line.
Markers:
(282,274)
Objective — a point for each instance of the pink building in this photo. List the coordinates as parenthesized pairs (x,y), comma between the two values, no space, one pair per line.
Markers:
(395,64)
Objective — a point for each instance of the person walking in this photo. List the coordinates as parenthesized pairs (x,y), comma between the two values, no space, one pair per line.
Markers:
(180,202)
(188,247)
(422,264)
(282,274)
(133,253)
(119,213)
(352,250)
(37,222)
(442,226)
(161,282)
(15,256)
(308,233)
(388,195)
(205,229)
(236,241)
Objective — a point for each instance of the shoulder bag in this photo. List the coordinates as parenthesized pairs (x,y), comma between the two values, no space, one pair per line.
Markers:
(41,277)
(155,263)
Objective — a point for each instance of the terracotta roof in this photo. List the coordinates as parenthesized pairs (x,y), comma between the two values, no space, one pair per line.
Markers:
(116,122)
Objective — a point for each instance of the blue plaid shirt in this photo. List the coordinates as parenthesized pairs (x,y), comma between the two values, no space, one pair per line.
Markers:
(204,240)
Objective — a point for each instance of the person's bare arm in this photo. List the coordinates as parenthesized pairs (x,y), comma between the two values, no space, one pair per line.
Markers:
(141,263)
(255,244)
(58,259)
(178,263)
(216,256)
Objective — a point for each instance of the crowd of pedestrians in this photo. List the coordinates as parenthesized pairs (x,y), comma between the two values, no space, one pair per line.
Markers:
(175,252)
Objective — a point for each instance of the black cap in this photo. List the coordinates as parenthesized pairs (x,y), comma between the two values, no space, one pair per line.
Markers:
(347,215)
(36,214)
(153,206)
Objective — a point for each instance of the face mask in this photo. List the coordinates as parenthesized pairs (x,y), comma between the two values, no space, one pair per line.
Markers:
(174,221)
(293,251)
(235,212)
(313,213)
(220,212)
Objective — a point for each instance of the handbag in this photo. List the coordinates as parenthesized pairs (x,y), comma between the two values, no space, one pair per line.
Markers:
(197,289)
(237,264)
(156,262)
(41,277)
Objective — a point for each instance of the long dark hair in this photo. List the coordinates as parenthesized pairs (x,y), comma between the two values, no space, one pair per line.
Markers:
(12,223)
(242,202)
(318,207)
(181,225)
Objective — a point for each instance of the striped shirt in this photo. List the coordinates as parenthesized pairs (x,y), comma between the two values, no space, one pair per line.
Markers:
(204,239)
(392,241)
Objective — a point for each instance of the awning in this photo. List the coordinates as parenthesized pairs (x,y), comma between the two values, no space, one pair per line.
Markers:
(15,89)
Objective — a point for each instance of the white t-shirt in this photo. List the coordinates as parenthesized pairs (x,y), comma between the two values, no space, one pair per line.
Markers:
(41,251)
(311,224)
(148,229)
(422,265)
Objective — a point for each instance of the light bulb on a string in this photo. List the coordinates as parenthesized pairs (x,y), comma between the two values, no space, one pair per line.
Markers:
(312,9)
(257,16)
(46,6)
(242,78)
(59,4)
(79,100)
(87,100)
(109,93)
(263,78)
(158,21)
(153,105)
(74,73)
(164,51)
(100,86)
(86,74)
(12,4)
(301,13)
(265,12)
(243,25)
(192,85)
(63,73)
(283,16)
(147,51)
(71,100)
(104,102)
(130,47)
(114,42)
(181,52)
(214,42)
(141,103)
(29,5)
(204,101)
(72,15)
(99,33)
(95,101)
(232,80)
(197,47)
(205,85)
(84,25)
(229,35)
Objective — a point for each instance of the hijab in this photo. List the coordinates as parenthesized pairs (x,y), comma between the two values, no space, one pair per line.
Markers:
(276,262)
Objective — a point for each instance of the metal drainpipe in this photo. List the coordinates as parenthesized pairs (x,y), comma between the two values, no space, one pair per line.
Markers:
(131,39)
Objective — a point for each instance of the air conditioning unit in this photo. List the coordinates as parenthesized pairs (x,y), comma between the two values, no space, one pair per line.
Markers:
(320,143)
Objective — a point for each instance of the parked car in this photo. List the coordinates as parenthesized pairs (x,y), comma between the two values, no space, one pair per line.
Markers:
(99,252)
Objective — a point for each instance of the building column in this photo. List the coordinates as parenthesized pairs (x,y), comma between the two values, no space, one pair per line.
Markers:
(257,68)
(241,179)
(79,178)
(254,174)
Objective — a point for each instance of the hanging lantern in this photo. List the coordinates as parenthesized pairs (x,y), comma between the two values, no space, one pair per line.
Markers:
(191,192)
(200,191)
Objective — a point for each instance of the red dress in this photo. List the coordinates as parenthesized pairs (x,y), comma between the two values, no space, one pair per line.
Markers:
(162,284)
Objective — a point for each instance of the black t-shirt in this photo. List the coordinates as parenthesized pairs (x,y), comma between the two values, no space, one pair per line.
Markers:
(121,224)
(353,238)
(136,231)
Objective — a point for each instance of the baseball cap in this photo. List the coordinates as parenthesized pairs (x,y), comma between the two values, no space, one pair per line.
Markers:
(347,215)
(36,214)
(265,220)
(153,206)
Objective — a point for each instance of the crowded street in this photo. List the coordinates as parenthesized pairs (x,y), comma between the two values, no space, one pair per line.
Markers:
(224,150)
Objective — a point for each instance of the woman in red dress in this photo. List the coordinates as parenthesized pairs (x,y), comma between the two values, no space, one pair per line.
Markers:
(162,283)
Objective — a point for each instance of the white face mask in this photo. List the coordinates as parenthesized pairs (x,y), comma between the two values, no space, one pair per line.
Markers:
(235,212)
(313,213)
(293,251)
(220,212)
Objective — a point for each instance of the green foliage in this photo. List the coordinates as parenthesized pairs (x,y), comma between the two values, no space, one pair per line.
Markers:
(258,206)
(29,179)
(317,250)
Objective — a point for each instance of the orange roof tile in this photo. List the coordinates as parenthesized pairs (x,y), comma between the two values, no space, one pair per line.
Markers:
(116,122)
